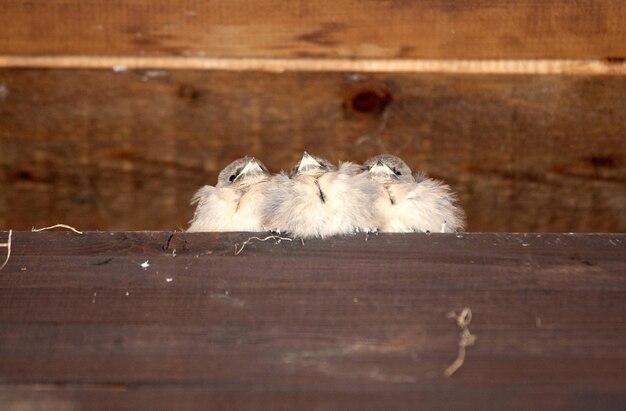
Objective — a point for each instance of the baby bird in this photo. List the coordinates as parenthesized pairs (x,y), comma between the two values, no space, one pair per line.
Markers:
(235,203)
(318,199)
(412,204)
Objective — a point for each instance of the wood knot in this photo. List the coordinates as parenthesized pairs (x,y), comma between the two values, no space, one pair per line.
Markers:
(187,92)
(371,100)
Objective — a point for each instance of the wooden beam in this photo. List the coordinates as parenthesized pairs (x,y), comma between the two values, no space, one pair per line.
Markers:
(99,149)
(356,322)
(315,28)
(279,65)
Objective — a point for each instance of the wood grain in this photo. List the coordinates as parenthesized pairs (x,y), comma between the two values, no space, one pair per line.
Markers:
(315,28)
(126,150)
(348,322)
(279,65)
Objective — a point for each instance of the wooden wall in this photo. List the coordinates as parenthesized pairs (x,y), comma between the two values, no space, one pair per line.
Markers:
(319,28)
(529,145)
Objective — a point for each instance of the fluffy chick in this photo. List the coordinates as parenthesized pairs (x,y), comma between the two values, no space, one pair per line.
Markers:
(412,204)
(319,199)
(235,203)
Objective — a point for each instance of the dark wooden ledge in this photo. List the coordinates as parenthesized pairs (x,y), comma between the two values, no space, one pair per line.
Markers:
(343,323)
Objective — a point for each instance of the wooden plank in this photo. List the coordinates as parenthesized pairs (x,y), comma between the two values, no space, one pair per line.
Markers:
(126,150)
(318,28)
(348,322)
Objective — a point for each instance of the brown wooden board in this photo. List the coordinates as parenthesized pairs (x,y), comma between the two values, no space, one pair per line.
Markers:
(105,150)
(344,323)
(315,28)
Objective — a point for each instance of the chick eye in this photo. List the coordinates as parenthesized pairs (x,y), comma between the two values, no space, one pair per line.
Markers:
(232,178)
(396,172)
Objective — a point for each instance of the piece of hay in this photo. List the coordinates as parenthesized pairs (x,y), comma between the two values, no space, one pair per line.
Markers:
(269,237)
(7,245)
(36,230)
(466,338)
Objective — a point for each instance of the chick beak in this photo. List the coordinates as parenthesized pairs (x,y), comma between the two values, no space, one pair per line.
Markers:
(252,167)
(308,161)
(380,168)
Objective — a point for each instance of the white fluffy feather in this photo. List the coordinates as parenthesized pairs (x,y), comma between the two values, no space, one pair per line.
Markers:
(337,202)
(419,207)
(412,203)
(235,203)
(227,209)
